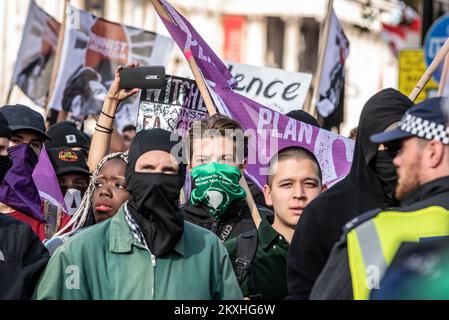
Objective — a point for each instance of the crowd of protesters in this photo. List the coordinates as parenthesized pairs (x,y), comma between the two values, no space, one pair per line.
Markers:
(130,232)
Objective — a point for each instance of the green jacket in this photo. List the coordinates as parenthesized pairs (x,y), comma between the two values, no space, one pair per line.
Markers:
(269,266)
(104,262)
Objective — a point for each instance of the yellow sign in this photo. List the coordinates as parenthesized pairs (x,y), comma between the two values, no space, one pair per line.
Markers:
(411,69)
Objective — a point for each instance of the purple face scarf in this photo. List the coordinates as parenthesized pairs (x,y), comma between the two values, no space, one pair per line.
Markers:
(18,189)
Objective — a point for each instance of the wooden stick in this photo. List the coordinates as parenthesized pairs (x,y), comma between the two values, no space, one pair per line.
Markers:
(430,70)
(58,54)
(8,96)
(211,110)
(321,55)
(443,76)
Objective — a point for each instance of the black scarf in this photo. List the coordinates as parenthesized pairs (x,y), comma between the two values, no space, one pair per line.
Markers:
(381,111)
(154,196)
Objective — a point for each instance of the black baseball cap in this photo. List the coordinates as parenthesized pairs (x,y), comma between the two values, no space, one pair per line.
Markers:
(21,117)
(5,130)
(65,161)
(303,116)
(66,134)
(425,120)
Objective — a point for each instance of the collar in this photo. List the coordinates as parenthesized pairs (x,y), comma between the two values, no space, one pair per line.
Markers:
(427,190)
(267,235)
(125,232)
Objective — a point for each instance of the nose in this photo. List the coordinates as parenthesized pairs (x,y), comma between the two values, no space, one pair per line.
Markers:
(105,191)
(299,192)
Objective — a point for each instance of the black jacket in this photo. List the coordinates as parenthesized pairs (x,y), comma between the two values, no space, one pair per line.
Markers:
(335,280)
(236,221)
(22,259)
(321,224)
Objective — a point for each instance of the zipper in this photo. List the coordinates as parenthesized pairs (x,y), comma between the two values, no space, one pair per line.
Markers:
(214,228)
(153,264)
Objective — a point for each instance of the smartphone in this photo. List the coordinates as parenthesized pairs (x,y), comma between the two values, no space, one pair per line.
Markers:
(142,77)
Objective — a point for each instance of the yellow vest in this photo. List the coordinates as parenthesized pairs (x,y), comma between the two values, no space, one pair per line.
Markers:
(373,244)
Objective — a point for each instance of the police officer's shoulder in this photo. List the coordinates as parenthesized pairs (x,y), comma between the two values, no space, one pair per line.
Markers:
(357,221)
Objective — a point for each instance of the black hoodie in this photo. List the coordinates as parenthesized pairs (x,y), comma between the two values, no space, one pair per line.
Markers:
(322,222)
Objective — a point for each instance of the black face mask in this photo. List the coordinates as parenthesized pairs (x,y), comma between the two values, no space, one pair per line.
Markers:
(154,204)
(386,173)
(5,165)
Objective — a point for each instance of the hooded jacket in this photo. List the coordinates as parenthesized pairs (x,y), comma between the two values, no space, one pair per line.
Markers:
(22,259)
(322,222)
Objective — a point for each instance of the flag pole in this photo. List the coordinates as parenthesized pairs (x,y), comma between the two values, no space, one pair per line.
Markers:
(321,55)
(57,63)
(430,70)
(211,110)
(443,76)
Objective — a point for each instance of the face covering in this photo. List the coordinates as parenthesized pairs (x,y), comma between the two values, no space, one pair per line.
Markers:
(5,165)
(386,173)
(155,196)
(72,199)
(216,186)
(18,189)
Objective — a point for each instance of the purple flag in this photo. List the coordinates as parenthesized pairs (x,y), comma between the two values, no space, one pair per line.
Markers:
(270,131)
(44,177)
(191,43)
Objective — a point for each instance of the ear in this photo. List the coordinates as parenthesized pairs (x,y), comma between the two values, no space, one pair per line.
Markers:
(267,195)
(435,153)
(324,188)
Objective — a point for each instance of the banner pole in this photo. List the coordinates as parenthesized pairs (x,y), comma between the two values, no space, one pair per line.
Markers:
(8,96)
(430,70)
(202,86)
(321,55)
(443,76)
(58,56)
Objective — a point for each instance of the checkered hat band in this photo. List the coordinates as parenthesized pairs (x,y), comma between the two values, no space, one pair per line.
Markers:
(425,129)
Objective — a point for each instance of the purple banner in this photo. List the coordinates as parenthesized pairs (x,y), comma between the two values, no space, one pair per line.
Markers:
(269,131)
(191,43)
(44,177)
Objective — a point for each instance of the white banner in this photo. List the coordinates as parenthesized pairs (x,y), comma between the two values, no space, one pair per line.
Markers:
(278,89)
(34,64)
(93,48)
(332,76)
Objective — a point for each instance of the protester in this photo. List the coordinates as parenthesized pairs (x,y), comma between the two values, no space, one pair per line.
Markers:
(19,195)
(66,134)
(370,184)
(421,145)
(22,255)
(73,175)
(217,201)
(160,256)
(102,200)
(260,258)
(129,132)
(27,125)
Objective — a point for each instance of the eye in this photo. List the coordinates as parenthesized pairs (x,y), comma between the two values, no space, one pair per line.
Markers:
(98,184)
(311,185)
(286,185)
(120,186)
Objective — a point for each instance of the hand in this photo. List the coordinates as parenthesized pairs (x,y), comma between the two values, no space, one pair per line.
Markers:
(115,92)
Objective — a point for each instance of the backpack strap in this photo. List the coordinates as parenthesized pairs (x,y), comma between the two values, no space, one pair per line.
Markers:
(246,251)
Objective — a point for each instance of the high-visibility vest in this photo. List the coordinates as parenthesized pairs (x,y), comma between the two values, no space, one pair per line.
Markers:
(373,244)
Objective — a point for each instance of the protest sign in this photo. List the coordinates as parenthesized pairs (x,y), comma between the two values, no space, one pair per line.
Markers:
(36,57)
(93,48)
(278,89)
(172,108)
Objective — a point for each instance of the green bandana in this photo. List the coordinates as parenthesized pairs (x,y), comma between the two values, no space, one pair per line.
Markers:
(217,186)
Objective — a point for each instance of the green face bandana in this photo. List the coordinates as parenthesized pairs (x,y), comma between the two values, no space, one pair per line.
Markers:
(217,186)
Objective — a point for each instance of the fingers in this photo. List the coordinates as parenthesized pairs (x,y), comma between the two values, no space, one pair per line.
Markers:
(133,65)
